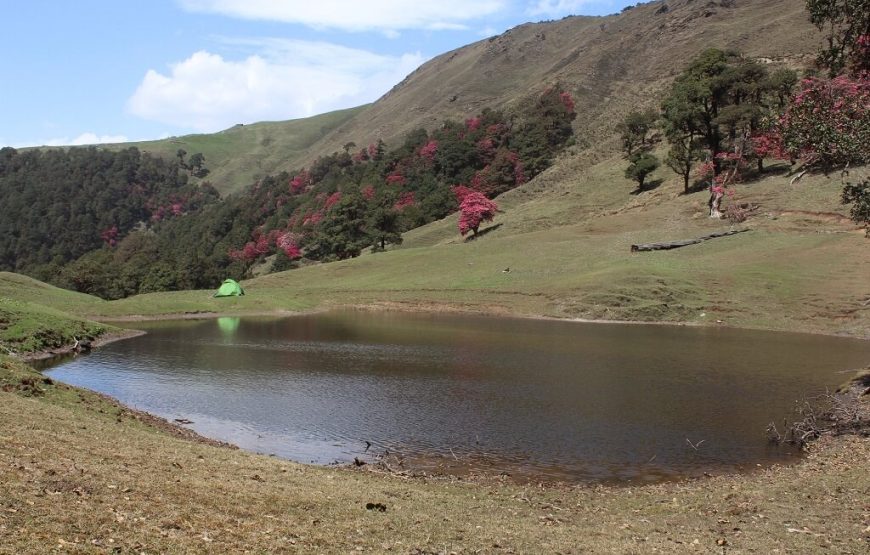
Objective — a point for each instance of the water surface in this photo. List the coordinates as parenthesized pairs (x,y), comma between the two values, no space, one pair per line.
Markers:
(541,399)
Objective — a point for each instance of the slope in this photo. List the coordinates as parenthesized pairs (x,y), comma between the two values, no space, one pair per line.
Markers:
(238,156)
(565,240)
(611,65)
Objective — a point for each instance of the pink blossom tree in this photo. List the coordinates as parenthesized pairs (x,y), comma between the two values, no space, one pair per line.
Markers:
(474,209)
(828,122)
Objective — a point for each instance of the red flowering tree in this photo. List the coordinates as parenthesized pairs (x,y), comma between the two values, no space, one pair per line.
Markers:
(474,209)
(332,200)
(288,242)
(828,122)
(300,182)
(396,179)
(429,150)
(110,236)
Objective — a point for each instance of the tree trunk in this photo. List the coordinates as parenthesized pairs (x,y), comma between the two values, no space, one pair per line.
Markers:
(715,203)
(685,183)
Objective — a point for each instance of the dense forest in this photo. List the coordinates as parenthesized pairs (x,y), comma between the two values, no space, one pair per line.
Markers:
(57,205)
(115,224)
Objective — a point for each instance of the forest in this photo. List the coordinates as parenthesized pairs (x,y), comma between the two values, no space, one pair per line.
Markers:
(115,224)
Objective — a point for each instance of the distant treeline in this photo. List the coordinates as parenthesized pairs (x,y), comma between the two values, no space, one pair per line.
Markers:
(115,224)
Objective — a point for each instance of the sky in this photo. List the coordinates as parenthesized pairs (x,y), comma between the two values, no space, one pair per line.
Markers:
(94,71)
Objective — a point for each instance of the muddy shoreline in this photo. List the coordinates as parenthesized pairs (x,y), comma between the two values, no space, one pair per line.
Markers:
(47,355)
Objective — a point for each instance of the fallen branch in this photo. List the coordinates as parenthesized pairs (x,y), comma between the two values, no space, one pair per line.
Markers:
(798,177)
(678,244)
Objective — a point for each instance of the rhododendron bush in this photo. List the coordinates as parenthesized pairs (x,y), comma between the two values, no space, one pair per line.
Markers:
(474,209)
(827,122)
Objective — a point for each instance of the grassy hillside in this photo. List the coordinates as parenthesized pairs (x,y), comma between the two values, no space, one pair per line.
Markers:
(241,154)
(566,237)
(36,317)
(611,65)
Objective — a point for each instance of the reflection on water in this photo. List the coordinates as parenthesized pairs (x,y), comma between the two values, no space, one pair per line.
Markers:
(557,400)
(228,325)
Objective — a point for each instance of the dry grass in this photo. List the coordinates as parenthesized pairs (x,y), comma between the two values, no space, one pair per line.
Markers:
(80,475)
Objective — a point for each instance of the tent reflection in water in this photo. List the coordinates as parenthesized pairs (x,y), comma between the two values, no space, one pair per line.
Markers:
(230,288)
(228,324)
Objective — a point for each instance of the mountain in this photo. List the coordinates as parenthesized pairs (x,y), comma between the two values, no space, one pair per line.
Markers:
(238,156)
(611,65)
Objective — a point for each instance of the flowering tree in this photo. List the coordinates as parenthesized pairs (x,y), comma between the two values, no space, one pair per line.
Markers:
(288,242)
(827,122)
(110,236)
(474,209)
(300,182)
(429,150)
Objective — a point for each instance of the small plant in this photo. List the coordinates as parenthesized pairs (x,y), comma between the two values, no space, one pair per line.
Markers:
(858,195)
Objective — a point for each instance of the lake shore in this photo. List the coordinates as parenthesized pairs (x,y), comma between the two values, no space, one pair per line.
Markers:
(149,488)
(82,473)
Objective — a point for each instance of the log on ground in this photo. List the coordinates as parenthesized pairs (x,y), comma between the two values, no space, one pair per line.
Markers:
(684,243)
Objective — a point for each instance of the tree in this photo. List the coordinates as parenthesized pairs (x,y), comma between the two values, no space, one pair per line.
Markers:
(545,129)
(384,220)
(717,98)
(828,122)
(681,158)
(196,165)
(848,36)
(718,102)
(699,94)
(858,195)
(343,232)
(781,83)
(681,116)
(634,129)
(474,209)
(641,164)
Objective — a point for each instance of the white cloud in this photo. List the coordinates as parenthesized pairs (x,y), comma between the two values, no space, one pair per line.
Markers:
(560,8)
(369,15)
(286,79)
(93,139)
(83,139)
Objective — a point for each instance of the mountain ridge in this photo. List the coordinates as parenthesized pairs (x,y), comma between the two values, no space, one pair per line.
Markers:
(611,65)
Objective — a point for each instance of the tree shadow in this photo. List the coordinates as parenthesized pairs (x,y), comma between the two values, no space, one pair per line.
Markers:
(483,232)
(649,186)
(696,187)
(777,168)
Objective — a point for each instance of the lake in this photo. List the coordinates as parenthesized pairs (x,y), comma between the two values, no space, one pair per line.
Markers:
(535,399)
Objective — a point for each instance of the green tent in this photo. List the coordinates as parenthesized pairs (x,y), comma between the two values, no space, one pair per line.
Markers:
(230,288)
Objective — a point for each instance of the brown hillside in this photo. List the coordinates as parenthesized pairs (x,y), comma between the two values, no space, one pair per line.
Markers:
(611,64)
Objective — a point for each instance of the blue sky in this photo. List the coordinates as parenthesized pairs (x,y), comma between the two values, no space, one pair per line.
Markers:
(89,71)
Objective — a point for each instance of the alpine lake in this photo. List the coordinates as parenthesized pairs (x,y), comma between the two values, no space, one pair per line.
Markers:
(532,400)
